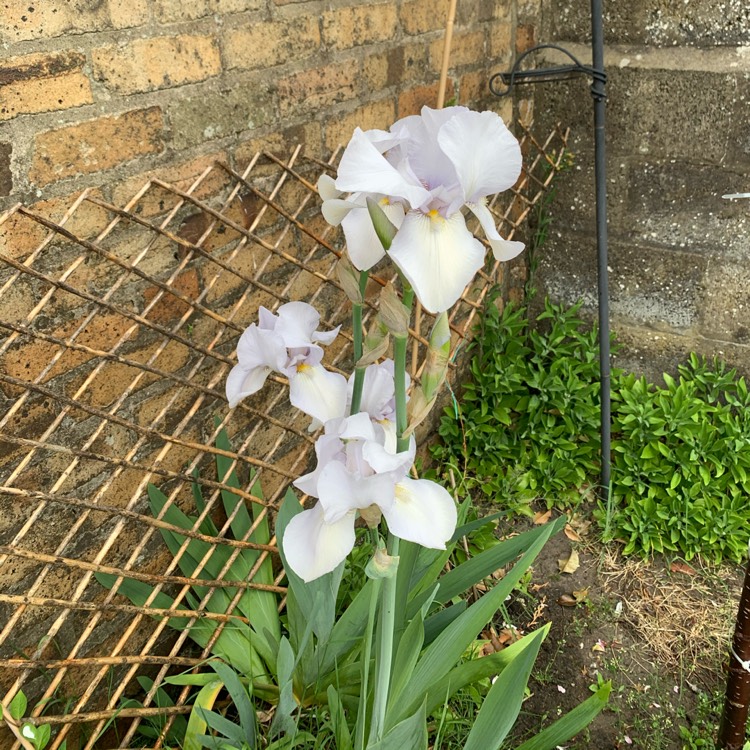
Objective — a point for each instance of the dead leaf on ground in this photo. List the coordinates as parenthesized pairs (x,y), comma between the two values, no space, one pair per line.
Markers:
(567,600)
(579,525)
(681,567)
(571,564)
(581,595)
(541,518)
(571,533)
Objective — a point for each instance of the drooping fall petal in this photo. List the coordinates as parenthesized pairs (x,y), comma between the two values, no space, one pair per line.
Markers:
(501,249)
(438,256)
(241,383)
(259,352)
(422,512)
(317,392)
(313,547)
(362,243)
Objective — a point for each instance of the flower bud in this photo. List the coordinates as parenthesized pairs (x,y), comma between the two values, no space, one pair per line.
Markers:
(375,344)
(384,228)
(382,565)
(348,277)
(433,376)
(438,355)
(371,515)
(393,312)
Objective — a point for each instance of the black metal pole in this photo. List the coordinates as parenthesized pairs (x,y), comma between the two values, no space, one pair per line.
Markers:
(600,171)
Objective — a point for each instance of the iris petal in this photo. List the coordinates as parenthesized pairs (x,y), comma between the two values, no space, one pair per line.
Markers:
(485,154)
(423,512)
(342,491)
(363,168)
(242,382)
(313,547)
(317,392)
(438,256)
(501,249)
(336,210)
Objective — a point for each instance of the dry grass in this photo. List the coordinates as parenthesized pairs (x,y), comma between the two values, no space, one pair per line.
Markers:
(683,613)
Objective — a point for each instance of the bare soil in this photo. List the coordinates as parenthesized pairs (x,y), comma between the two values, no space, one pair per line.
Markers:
(658,630)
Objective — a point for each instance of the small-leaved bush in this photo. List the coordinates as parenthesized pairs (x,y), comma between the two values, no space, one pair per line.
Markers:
(681,463)
(528,422)
(527,428)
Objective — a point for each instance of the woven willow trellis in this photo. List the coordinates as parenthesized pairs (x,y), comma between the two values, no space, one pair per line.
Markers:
(117,329)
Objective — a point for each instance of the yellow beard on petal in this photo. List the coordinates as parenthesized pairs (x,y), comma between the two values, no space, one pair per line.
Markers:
(302,367)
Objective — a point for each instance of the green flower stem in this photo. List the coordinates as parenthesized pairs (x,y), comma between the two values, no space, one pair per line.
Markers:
(359,372)
(359,736)
(399,376)
(384,664)
(387,620)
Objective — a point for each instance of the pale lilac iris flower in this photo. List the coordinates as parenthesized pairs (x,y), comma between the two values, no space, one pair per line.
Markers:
(362,243)
(379,398)
(355,470)
(433,165)
(289,343)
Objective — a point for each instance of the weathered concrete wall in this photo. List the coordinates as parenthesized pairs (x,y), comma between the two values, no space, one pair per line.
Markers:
(677,139)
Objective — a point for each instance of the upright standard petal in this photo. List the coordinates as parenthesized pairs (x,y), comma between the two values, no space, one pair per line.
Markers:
(340,491)
(485,154)
(296,322)
(423,512)
(258,347)
(363,168)
(313,547)
(378,391)
(317,392)
(438,256)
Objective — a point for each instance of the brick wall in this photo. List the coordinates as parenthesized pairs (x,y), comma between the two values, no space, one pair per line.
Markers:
(677,138)
(95,91)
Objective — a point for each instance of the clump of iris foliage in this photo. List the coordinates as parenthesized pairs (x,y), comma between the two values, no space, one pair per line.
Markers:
(526,427)
(310,669)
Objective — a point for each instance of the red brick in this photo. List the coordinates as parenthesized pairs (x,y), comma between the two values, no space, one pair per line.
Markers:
(96,145)
(525,38)
(157,63)
(43,83)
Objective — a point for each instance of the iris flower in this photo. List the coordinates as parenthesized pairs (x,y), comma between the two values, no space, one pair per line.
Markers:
(433,166)
(289,343)
(356,471)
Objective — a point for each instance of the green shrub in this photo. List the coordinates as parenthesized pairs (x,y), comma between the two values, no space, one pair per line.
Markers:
(527,428)
(528,423)
(681,463)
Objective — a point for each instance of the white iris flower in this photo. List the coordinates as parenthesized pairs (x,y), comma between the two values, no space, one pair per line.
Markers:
(355,471)
(428,168)
(289,343)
